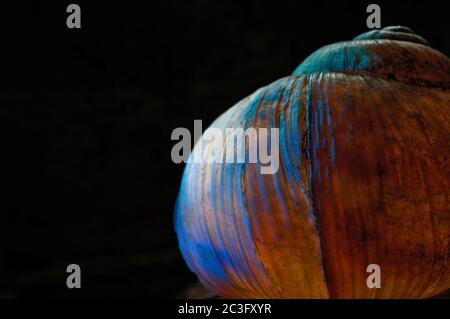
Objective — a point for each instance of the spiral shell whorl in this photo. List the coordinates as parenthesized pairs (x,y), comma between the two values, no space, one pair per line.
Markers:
(399,33)
(394,53)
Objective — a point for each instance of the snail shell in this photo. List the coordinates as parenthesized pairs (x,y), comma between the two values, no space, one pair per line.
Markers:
(363,179)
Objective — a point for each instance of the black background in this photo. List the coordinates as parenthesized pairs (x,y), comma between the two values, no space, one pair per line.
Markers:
(87,116)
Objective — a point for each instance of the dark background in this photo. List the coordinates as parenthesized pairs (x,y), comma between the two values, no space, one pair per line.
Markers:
(87,116)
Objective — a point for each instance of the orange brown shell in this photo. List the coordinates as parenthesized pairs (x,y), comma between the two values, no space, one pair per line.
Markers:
(363,179)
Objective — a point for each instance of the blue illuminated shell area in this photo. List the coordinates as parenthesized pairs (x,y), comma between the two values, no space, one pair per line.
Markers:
(219,216)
